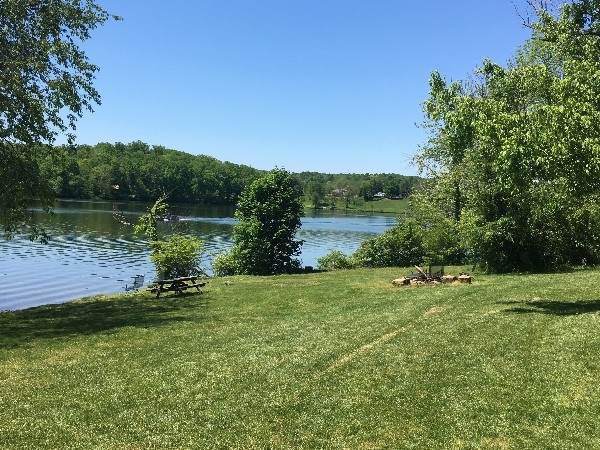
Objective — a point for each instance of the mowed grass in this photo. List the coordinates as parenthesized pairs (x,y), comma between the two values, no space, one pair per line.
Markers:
(384,205)
(325,360)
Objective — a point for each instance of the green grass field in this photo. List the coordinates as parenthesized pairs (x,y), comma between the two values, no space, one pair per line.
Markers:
(385,205)
(326,360)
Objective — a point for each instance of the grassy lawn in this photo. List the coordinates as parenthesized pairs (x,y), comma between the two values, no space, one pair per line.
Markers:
(385,205)
(325,360)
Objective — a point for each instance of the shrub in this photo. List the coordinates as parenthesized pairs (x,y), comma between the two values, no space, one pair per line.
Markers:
(224,265)
(177,256)
(400,246)
(335,260)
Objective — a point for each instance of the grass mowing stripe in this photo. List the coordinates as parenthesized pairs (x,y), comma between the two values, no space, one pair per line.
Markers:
(366,347)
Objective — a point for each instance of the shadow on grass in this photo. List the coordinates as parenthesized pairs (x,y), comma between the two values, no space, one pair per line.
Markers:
(557,307)
(18,328)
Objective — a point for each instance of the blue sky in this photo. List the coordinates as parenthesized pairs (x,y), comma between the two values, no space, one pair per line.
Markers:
(332,86)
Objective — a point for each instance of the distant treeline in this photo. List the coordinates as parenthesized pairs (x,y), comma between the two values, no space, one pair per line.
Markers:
(138,171)
(367,186)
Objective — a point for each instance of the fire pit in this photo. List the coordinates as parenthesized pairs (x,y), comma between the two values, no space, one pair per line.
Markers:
(435,275)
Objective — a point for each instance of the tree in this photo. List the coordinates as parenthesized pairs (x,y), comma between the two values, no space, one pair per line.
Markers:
(315,190)
(518,154)
(368,188)
(269,215)
(45,85)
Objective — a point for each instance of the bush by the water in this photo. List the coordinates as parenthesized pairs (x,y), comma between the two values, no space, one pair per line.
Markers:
(177,256)
(400,246)
(224,265)
(410,242)
(335,260)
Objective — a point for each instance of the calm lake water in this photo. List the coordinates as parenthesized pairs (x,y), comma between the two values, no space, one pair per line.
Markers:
(91,253)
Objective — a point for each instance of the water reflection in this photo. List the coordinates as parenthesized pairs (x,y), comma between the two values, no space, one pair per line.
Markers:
(91,253)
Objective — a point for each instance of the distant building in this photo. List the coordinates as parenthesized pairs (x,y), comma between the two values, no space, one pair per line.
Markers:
(379,195)
(339,192)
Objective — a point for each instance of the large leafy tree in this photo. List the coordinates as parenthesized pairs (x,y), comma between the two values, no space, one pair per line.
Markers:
(45,85)
(269,215)
(517,154)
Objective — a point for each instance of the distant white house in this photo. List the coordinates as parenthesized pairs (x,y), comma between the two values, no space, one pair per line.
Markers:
(379,195)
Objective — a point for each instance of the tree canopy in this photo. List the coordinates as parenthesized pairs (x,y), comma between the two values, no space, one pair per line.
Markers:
(138,171)
(515,155)
(46,83)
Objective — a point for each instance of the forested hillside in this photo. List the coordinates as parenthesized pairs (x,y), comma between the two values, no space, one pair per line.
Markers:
(138,171)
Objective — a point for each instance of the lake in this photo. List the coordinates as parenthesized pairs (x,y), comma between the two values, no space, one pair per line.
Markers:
(91,253)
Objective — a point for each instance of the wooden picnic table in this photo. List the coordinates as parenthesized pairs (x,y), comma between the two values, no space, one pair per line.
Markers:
(178,285)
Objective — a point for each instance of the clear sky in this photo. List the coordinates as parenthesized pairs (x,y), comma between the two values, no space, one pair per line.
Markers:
(333,86)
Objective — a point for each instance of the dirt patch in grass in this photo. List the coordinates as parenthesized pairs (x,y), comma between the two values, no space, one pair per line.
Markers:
(435,310)
(296,283)
(350,356)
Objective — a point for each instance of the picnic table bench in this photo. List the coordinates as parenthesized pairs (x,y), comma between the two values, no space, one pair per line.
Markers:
(178,285)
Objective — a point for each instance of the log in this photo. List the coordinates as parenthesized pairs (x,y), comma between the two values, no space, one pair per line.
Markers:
(401,281)
(422,272)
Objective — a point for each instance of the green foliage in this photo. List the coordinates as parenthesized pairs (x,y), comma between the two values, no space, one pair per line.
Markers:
(43,69)
(315,190)
(20,183)
(322,188)
(45,86)
(336,260)
(432,210)
(177,256)
(399,246)
(137,171)
(516,155)
(225,264)
(147,223)
(424,236)
(269,213)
